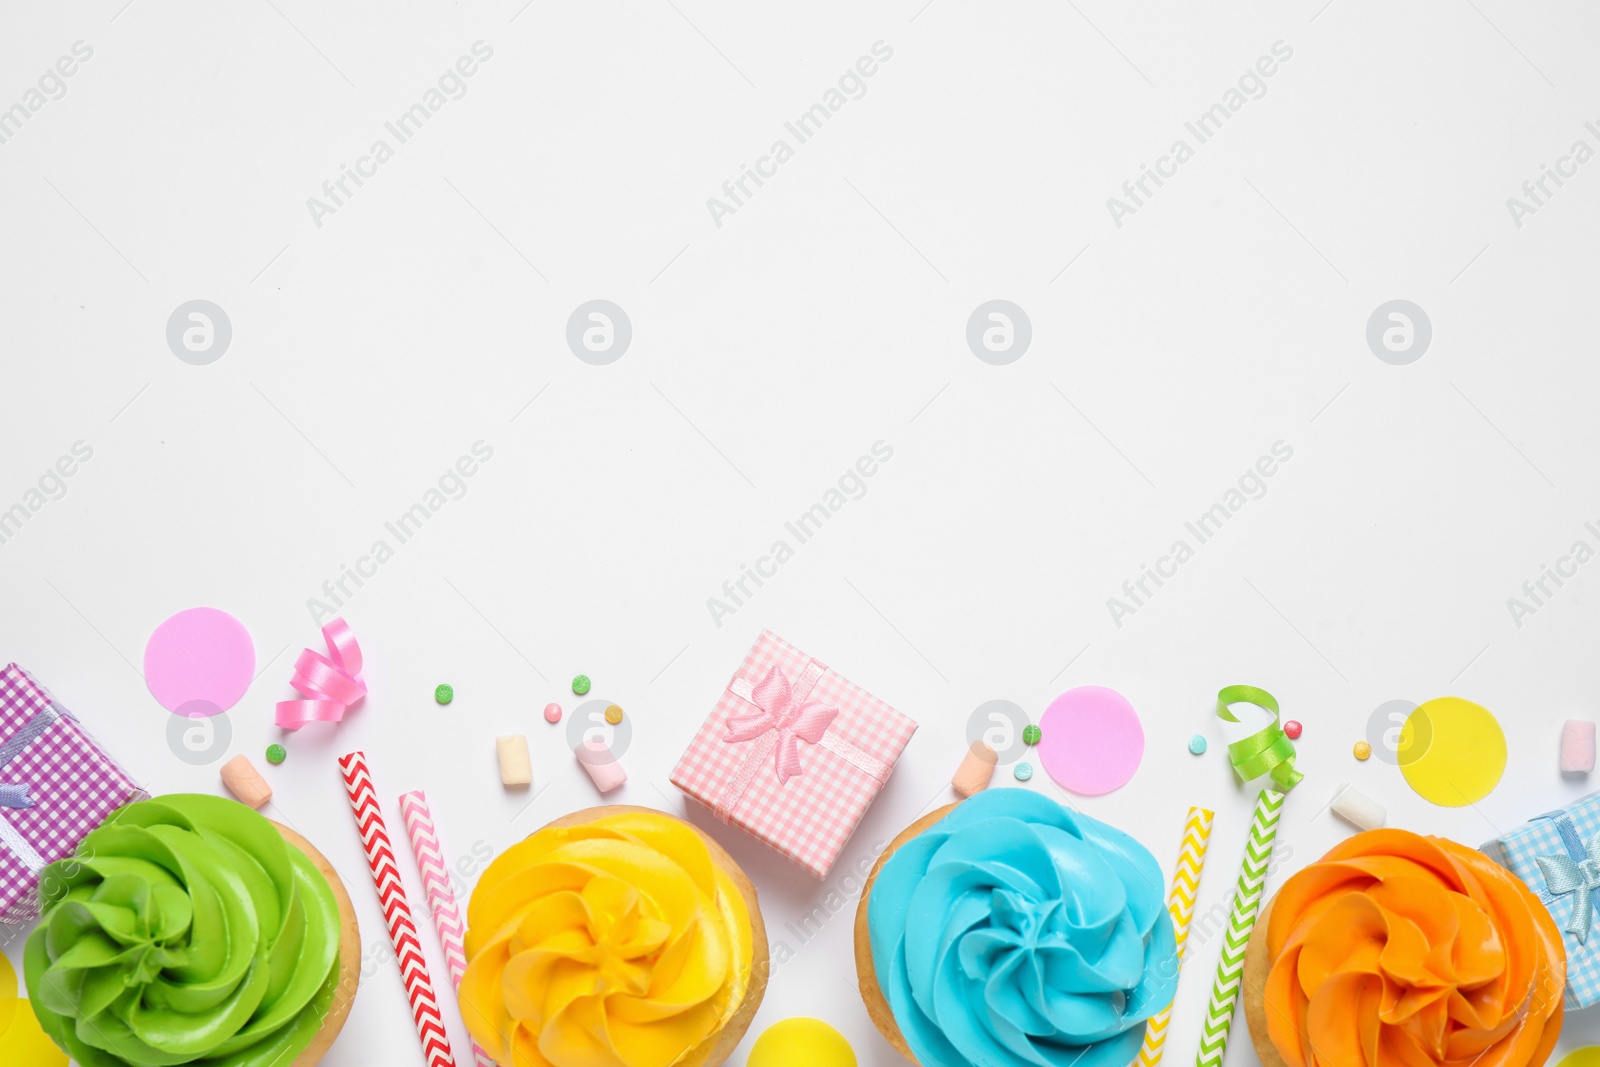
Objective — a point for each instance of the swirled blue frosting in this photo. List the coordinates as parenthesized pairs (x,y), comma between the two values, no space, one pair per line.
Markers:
(1017,933)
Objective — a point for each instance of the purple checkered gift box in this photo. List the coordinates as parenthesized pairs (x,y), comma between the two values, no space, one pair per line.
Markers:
(793,753)
(56,784)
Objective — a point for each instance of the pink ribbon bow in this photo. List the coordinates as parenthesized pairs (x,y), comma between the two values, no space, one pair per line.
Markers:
(778,711)
(332,682)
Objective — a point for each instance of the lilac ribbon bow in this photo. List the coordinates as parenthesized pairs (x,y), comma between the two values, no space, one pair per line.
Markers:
(17,795)
(776,709)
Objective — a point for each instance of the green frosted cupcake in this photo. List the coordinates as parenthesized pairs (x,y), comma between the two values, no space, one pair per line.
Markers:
(184,930)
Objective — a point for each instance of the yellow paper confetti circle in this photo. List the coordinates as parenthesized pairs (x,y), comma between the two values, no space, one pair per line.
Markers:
(23,1044)
(8,994)
(1453,751)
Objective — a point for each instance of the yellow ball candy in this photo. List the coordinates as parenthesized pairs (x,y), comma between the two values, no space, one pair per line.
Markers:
(613,714)
(801,1043)
(1362,750)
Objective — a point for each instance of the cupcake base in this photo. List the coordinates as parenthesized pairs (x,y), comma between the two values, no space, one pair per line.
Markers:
(1254,988)
(716,1049)
(349,954)
(867,974)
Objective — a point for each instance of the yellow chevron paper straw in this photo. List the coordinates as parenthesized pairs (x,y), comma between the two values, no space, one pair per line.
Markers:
(1180,905)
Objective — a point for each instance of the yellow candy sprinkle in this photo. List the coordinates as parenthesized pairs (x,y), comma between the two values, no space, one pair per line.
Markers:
(1362,750)
(613,714)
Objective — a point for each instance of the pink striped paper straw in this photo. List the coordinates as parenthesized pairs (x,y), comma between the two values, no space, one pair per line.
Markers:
(441,892)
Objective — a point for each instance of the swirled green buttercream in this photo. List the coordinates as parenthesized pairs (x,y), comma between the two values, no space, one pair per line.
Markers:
(185,930)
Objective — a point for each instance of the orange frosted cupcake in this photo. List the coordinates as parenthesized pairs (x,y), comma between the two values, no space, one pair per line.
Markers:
(1397,950)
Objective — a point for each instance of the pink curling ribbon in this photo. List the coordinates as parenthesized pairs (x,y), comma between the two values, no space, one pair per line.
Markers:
(777,708)
(332,682)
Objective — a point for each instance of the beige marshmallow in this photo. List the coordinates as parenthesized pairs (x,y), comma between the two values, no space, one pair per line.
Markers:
(245,782)
(515,766)
(975,771)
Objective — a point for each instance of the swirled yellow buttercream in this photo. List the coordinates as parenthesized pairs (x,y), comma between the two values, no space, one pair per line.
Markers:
(616,943)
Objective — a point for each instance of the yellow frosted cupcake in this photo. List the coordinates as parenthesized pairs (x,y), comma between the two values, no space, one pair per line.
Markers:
(616,935)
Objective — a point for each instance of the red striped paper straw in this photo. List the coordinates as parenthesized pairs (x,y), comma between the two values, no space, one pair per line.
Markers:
(429,852)
(396,914)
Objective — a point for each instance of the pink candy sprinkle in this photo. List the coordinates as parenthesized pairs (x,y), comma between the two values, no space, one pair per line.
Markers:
(1292,728)
(552,713)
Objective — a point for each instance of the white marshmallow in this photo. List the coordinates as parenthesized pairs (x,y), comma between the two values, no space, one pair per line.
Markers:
(1358,809)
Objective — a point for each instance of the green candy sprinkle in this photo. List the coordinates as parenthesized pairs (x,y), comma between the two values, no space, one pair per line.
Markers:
(1022,771)
(444,694)
(580,684)
(276,754)
(1031,734)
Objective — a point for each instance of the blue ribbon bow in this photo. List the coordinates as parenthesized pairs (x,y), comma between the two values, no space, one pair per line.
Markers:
(1581,877)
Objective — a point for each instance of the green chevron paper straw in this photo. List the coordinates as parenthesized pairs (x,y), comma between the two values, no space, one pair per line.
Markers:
(1268,751)
(1241,921)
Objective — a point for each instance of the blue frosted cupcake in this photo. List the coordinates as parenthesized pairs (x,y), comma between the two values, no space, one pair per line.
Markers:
(1011,931)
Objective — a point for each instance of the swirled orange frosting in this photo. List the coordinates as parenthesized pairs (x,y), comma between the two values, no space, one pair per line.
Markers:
(1397,950)
(617,943)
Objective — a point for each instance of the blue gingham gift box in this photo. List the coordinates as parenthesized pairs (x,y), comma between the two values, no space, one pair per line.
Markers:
(1557,855)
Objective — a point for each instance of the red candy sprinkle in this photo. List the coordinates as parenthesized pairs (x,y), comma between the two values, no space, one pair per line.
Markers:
(1292,729)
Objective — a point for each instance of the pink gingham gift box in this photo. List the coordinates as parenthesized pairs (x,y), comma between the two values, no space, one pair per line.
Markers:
(56,784)
(794,753)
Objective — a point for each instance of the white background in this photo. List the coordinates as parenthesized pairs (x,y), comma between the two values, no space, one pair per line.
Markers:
(771,352)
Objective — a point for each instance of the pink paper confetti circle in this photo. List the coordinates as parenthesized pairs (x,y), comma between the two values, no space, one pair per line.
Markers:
(1092,741)
(199,662)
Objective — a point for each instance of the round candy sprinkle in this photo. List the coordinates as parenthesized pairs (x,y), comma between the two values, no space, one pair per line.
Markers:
(580,684)
(1197,744)
(1362,750)
(1031,734)
(552,713)
(1292,729)
(444,694)
(276,754)
(613,714)
(1022,771)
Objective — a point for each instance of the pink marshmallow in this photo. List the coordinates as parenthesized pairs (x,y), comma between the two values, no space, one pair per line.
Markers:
(1577,747)
(603,767)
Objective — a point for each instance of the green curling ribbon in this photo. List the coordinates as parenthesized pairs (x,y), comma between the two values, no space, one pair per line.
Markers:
(1268,750)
